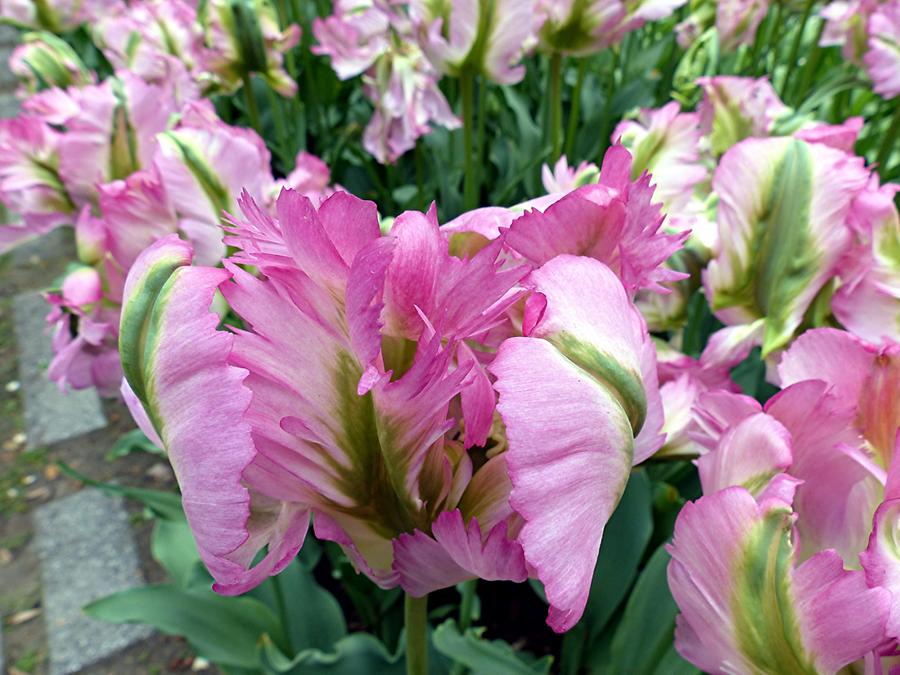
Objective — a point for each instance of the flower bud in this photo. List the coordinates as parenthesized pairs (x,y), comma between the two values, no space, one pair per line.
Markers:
(43,61)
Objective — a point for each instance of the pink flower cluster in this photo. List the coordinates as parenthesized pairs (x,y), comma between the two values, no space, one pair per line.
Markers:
(868,32)
(208,46)
(790,555)
(403,48)
(126,162)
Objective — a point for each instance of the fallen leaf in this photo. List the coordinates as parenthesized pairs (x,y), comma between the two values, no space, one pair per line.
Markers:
(51,471)
(23,616)
(38,493)
(6,556)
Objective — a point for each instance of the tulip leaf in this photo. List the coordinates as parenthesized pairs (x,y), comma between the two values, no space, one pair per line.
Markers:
(484,657)
(643,641)
(166,505)
(131,442)
(173,547)
(351,655)
(224,630)
(312,618)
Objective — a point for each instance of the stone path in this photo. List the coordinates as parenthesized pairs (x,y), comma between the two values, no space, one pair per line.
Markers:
(51,415)
(86,546)
(87,551)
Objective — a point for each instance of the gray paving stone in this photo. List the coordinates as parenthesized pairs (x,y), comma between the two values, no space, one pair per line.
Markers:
(2,660)
(87,552)
(50,415)
(8,35)
(9,105)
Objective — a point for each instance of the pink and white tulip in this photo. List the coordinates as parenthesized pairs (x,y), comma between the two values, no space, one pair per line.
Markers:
(747,606)
(580,28)
(783,205)
(338,398)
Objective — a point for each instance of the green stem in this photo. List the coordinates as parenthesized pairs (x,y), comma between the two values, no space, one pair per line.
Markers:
(795,48)
(415,613)
(282,611)
(466,86)
(467,604)
(757,45)
(281,135)
(555,106)
(607,106)
(774,38)
(812,64)
(250,99)
(479,136)
(887,142)
(576,108)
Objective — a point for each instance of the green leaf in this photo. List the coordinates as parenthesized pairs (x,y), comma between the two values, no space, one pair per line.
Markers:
(224,630)
(750,376)
(173,547)
(166,505)
(353,655)
(312,616)
(357,653)
(133,441)
(483,657)
(643,641)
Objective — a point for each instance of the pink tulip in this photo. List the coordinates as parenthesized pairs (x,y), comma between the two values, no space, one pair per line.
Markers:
(882,60)
(85,333)
(735,108)
(242,37)
(109,130)
(580,28)
(782,201)
(366,364)
(378,39)
(665,143)
(747,606)
(30,184)
(564,178)
(159,41)
(482,36)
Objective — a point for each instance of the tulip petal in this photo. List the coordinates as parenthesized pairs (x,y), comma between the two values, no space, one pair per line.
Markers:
(456,553)
(172,353)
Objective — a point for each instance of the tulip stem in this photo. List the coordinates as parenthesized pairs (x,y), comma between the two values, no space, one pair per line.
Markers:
(795,48)
(467,603)
(281,135)
(466,90)
(416,621)
(576,108)
(250,99)
(555,106)
(813,57)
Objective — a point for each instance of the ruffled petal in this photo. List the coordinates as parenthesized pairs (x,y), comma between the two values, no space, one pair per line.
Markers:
(456,552)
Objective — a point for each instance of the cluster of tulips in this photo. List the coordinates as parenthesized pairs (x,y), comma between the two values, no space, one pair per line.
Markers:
(462,400)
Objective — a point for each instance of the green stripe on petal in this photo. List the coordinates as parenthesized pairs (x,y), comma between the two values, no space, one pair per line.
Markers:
(623,384)
(783,205)
(218,195)
(147,283)
(377,493)
(765,625)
